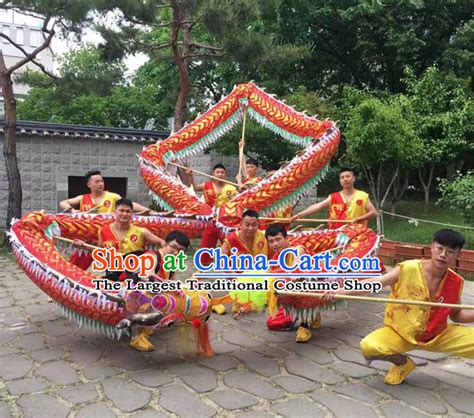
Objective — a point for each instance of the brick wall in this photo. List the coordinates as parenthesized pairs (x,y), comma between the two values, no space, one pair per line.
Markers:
(45,164)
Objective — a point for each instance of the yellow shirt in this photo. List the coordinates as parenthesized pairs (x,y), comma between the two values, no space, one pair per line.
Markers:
(226,194)
(260,245)
(132,241)
(106,205)
(410,321)
(339,209)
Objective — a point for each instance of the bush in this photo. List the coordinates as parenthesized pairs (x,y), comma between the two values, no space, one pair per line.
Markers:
(459,195)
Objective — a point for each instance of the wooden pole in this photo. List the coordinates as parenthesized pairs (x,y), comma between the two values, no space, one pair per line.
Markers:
(70,241)
(205,174)
(304,220)
(383,300)
(242,144)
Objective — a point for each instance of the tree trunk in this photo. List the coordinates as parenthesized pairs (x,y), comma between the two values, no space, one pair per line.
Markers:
(180,21)
(9,146)
(427,185)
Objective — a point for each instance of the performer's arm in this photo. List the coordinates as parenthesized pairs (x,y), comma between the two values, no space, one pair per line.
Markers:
(139,208)
(196,187)
(72,204)
(462,316)
(371,212)
(153,239)
(225,249)
(313,209)
(387,279)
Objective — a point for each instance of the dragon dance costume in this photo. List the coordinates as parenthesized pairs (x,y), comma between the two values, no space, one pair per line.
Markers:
(410,327)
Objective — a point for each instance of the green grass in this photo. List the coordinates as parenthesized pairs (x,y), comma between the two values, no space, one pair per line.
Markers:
(398,229)
(4,250)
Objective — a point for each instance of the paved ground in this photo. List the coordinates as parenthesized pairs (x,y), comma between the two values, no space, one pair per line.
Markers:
(50,368)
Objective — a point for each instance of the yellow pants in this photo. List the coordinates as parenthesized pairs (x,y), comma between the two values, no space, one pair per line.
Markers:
(455,339)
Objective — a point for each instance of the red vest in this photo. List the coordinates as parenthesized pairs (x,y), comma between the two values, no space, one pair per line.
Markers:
(210,195)
(337,210)
(166,275)
(438,319)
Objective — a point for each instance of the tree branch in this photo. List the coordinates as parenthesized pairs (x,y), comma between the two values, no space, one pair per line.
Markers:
(220,55)
(25,53)
(390,185)
(32,56)
(202,46)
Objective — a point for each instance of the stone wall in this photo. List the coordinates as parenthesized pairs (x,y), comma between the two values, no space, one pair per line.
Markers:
(46,162)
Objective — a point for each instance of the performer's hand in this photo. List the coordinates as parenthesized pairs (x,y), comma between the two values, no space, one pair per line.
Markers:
(238,177)
(75,210)
(295,217)
(241,143)
(78,243)
(189,171)
(329,297)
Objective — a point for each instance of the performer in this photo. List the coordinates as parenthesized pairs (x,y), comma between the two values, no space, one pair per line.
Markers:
(250,175)
(247,240)
(127,238)
(348,204)
(277,238)
(216,193)
(411,327)
(100,200)
(175,242)
(123,235)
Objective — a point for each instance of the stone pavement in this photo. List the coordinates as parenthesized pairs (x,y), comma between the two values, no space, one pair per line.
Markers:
(50,368)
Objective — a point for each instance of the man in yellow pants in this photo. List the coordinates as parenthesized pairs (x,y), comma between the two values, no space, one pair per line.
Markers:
(411,327)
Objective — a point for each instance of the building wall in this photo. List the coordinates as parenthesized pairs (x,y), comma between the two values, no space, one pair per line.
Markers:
(45,164)
(29,38)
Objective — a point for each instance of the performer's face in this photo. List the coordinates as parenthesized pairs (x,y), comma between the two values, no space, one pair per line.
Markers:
(443,256)
(219,172)
(347,179)
(173,247)
(123,213)
(96,184)
(277,243)
(249,226)
(252,170)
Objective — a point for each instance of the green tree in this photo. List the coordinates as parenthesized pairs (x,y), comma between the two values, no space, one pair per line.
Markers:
(459,195)
(62,16)
(443,110)
(367,44)
(382,141)
(93,91)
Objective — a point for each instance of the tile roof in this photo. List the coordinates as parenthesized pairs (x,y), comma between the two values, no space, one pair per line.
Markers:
(83,131)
